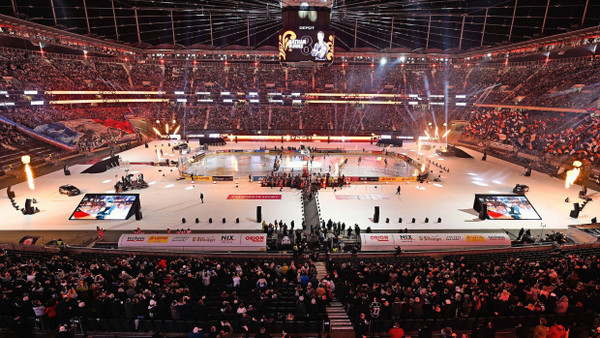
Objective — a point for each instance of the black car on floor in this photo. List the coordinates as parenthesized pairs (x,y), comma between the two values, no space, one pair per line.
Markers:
(181,146)
(69,190)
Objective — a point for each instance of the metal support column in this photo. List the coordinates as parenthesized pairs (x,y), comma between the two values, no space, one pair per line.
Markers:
(53,12)
(512,23)
(545,16)
(484,24)
(14,8)
(173,28)
(212,43)
(587,2)
(248,30)
(428,31)
(462,29)
(391,34)
(87,18)
(355,31)
(112,3)
(137,25)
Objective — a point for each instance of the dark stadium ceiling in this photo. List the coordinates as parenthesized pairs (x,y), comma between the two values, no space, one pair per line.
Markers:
(256,22)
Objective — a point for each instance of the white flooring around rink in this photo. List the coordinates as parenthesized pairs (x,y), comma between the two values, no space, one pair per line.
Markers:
(168,199)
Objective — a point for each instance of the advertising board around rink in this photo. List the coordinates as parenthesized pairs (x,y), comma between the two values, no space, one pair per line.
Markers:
(194,242)
(433,241)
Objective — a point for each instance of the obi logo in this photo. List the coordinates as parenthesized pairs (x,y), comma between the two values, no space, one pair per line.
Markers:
(475,238)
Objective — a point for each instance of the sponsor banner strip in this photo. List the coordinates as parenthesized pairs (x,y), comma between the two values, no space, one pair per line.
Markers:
(429,241)
(254,197)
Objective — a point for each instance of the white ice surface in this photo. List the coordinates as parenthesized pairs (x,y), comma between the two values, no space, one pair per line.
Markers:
(168,199)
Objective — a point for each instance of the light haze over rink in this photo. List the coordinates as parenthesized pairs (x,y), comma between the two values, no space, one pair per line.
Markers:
(168,199)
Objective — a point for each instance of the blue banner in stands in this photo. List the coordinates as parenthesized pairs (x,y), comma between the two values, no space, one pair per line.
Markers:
(35,135)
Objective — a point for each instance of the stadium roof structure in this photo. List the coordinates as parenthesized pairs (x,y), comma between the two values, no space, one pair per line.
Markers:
(360,25)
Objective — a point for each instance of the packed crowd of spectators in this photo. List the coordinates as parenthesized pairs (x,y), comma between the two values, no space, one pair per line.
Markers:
(10,136)
(536,83)
(240,294)
(462,287)
(544,134)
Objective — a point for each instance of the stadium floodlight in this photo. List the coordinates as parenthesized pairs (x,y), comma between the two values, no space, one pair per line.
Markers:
(383,61)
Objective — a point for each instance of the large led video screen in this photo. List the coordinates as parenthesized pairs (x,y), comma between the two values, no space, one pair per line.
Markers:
(106,207)
(506,207)
(312,45)
(306,34)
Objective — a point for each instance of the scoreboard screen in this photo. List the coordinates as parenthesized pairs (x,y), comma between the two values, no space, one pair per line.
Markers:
(306,35)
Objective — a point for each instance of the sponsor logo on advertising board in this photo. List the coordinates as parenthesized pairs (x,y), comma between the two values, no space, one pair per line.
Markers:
(430,238)
(158,239)
(380,238)
(180,238)
(203,239)
(475,238)
(135,239)
(256,239)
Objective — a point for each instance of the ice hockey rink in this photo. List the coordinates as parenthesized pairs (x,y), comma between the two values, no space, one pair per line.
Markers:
(169,198)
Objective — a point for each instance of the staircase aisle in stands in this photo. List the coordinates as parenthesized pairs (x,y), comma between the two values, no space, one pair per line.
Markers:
(321,270)
(340,323)
(341,327)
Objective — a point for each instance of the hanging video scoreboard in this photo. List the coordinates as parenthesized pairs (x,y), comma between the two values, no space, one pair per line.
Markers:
(306,34)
